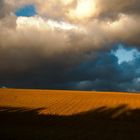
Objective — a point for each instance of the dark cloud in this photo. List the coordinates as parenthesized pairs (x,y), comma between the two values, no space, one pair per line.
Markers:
(1,8)
(103,73)
(113,9)
(5,9)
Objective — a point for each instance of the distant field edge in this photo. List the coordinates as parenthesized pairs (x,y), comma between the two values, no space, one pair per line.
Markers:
(63,90)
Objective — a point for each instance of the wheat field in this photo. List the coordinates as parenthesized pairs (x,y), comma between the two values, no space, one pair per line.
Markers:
(68,115)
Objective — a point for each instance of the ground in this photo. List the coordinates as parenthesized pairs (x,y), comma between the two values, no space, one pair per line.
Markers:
(68,115)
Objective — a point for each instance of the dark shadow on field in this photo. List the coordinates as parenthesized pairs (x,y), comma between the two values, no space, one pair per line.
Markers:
(103,123)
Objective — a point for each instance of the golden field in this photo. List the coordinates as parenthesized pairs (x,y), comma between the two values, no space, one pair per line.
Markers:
(68,115)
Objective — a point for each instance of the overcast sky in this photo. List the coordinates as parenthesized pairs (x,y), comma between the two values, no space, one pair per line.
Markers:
(70,44)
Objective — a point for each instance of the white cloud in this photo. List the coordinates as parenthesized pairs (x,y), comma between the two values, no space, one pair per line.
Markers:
(54,31)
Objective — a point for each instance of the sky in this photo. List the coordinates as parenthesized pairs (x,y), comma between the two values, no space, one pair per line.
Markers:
(70,44)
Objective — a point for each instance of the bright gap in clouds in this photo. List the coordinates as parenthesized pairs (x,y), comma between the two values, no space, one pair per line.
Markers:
(26,11)
(84,9)
(125,54)
(27,17)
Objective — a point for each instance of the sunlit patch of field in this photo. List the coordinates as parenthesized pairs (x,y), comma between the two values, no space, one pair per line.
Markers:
(68,115)
(61,102)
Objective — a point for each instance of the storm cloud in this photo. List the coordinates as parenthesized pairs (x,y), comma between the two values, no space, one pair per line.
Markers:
(63,44)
